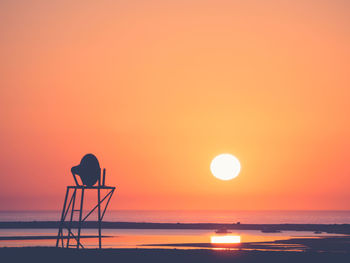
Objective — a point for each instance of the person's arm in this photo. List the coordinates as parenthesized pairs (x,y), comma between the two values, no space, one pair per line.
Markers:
(73,171)
(75,179)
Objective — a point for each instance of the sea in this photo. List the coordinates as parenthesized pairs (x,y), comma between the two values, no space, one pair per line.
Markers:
(198,216)
(166,238)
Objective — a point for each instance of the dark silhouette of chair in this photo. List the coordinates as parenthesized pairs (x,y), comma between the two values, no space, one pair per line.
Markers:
(89,172)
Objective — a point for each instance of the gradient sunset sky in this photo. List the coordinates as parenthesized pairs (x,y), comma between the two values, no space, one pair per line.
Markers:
(156,89)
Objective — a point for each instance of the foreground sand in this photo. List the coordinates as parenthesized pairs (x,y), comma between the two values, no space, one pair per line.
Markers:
(163,255)
(333,249)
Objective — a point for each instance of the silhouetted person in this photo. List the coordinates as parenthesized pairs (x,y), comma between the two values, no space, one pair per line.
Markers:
(89,170)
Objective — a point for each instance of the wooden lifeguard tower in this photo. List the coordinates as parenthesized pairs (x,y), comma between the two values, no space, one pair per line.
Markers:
(69,231)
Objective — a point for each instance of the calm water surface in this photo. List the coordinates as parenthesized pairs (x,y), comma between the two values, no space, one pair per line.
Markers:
(148,238)
(133,238)
(245,217)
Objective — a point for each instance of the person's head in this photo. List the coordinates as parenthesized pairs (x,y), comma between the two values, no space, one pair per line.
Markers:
(89,170)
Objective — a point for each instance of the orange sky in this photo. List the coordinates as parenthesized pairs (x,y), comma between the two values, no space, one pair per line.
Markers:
(156,89)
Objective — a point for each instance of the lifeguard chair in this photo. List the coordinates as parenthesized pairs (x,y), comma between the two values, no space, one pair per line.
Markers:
(69,231)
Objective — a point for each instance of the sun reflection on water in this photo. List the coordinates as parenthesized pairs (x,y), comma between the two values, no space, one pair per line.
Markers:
(225,239)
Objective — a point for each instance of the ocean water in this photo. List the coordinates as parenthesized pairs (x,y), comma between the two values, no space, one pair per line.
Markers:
(149,238)
(158,238)
(244,217)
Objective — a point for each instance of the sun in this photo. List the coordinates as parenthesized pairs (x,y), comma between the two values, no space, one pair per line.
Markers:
(225,166)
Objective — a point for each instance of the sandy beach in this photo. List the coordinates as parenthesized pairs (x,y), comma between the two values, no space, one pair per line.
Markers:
(302,249)
(332,251)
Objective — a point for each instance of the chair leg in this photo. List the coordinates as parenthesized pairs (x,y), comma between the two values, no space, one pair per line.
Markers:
(80,216)
(60,233)
(71,217)
(99,217)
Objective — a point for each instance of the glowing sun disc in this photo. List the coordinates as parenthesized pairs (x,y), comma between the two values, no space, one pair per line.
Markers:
(225,166)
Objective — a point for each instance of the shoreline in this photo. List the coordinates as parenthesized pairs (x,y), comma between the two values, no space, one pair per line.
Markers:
(46,254)
(327,228)
(323,249)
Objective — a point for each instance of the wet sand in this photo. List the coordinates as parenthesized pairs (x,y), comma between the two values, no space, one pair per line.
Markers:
(319,249)
(42,237)
(335,244)
(165,255)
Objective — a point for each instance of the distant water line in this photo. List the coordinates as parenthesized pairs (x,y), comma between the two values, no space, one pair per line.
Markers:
(244,217)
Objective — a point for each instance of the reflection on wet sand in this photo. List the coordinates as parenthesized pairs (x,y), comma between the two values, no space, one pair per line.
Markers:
(162,238)
(225,239)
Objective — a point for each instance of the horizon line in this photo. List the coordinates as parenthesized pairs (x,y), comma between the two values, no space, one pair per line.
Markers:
(195,210)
